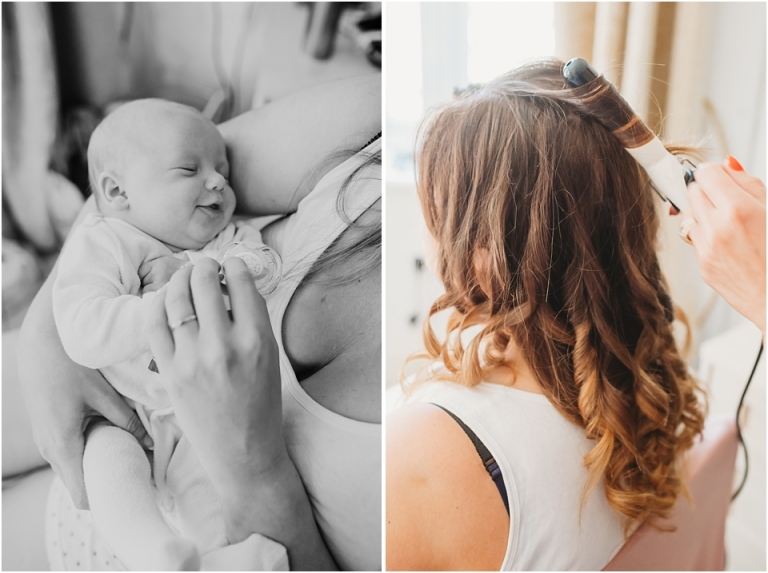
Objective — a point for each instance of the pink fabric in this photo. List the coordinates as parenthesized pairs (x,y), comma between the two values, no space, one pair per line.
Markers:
(699,541)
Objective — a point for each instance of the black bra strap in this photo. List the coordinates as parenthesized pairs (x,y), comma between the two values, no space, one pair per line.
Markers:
(490,464)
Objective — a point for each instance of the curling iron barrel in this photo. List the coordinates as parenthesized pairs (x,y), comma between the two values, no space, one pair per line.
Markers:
(604,102)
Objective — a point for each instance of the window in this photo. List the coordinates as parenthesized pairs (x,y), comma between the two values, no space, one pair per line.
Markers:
(453,45)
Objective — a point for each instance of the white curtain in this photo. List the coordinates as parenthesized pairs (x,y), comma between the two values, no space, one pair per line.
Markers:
(30,118)
(654,53)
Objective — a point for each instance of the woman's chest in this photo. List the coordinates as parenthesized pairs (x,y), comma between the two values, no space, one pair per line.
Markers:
(331,327)
(332,338)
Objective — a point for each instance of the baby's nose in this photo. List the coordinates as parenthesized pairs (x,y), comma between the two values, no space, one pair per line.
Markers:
(216,182)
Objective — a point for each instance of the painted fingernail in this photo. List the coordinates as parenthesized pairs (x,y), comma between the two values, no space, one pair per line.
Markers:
(734,164)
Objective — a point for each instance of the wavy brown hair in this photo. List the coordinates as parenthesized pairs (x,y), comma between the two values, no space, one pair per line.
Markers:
(567,223)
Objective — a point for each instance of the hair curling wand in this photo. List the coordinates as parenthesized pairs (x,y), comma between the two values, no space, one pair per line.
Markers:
(603,101)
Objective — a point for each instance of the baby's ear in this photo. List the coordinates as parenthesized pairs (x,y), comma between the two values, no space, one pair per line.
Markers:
(111,191)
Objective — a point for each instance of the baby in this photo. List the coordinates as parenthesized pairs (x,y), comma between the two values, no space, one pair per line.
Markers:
(159,173)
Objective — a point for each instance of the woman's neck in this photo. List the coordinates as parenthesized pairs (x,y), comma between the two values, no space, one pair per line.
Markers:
(515,373)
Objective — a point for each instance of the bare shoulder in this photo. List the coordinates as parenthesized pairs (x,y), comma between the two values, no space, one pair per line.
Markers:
(443,510)
(275,151)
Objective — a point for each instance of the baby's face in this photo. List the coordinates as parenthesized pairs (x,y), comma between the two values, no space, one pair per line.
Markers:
(176,180)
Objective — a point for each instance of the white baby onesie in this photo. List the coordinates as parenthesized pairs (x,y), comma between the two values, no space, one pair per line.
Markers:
(99,312)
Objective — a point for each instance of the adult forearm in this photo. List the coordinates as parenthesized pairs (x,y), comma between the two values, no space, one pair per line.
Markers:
(277,506)
(39,339)
(278,152)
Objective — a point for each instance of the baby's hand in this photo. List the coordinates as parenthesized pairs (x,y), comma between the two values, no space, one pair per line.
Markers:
(155,273)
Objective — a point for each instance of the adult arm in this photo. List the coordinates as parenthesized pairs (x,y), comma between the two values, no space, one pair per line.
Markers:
(223,379)
(279,152)
(62,396)
(729,240)
(443,511)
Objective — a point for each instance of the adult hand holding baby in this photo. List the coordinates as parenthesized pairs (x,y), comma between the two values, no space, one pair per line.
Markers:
(220,372)
(223,379)
(62,397)
(728,238)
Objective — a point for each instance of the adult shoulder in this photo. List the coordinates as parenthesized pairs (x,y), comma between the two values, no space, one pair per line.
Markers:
(443,510)
(278,152)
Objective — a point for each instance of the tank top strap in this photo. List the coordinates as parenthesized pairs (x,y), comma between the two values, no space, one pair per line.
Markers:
(322,216)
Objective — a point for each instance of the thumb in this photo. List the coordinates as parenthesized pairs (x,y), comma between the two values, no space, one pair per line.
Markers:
(112,406)
(68,465)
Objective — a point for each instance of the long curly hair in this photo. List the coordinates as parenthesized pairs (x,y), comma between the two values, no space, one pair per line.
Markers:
(565,219)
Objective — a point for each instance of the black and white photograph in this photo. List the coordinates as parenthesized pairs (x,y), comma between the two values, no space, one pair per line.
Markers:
(192,290)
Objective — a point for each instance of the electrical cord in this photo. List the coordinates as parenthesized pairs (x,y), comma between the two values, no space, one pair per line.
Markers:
(738,425)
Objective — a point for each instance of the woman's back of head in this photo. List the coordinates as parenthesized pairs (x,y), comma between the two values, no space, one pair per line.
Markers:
(546,233)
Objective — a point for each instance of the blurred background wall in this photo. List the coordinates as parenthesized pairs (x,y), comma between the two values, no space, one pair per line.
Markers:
(185,51)
(694,71)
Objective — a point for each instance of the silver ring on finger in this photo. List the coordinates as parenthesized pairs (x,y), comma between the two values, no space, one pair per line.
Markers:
(685,229)
(178,323)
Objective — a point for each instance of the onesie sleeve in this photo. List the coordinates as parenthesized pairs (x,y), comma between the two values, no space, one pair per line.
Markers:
(99,322)
(247,232)
(240,231)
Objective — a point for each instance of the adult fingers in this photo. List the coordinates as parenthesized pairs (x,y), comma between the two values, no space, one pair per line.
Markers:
(701,208)
(705,214)
(206,291)
(696,234)
(179,306)
(247,303)
(68,465)
(751,184)
(112,406)
(724,186)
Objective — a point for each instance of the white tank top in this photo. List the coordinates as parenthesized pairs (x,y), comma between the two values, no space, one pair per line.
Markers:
(339,459)
(541,457)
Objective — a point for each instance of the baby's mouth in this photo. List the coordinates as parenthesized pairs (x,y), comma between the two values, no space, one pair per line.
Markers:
(213,208)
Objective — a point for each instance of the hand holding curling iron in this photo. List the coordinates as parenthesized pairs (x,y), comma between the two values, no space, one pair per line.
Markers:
(722,211)
(725,223)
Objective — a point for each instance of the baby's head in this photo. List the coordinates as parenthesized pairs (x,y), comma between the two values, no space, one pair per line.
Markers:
(162,167)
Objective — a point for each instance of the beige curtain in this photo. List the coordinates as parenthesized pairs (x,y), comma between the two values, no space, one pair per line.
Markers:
(654,53)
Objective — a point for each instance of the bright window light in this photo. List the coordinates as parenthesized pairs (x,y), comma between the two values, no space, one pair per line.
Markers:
(501,36)
(403,60)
